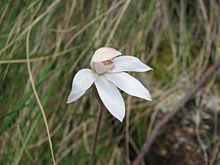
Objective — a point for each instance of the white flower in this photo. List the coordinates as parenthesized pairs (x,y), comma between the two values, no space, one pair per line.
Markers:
(108,73)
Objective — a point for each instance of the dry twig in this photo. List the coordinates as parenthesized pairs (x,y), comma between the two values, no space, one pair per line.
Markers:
(181,103)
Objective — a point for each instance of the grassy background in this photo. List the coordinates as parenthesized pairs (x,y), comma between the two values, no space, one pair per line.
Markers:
(179,39)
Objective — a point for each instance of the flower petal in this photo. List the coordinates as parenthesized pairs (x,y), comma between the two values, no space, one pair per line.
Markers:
(128,84)
(81,82)
(74,96)
(105,53)
(129,63)
(111,97)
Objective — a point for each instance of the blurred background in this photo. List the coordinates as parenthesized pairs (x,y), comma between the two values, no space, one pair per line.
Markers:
(44,43)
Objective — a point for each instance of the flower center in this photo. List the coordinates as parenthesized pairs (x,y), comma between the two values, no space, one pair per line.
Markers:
(104,66)
(108,62)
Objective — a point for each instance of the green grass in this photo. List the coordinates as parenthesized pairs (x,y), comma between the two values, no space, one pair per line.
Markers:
(179,40)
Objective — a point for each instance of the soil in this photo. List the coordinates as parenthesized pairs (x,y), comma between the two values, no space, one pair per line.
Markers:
(184,142)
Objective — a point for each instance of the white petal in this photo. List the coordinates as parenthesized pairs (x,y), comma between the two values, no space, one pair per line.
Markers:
(129,63)
(81,82)
(105,53)
(111,97)
(128,84)
(74,96)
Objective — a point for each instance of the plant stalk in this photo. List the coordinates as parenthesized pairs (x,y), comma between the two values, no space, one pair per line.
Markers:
(99,122)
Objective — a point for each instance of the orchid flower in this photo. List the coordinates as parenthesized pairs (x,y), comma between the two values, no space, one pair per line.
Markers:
(108,73)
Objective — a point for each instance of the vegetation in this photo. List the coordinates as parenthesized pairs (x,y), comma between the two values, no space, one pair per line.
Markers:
(44,43)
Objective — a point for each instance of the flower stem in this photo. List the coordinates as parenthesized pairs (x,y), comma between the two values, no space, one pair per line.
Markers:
(97,130)
(98,126)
